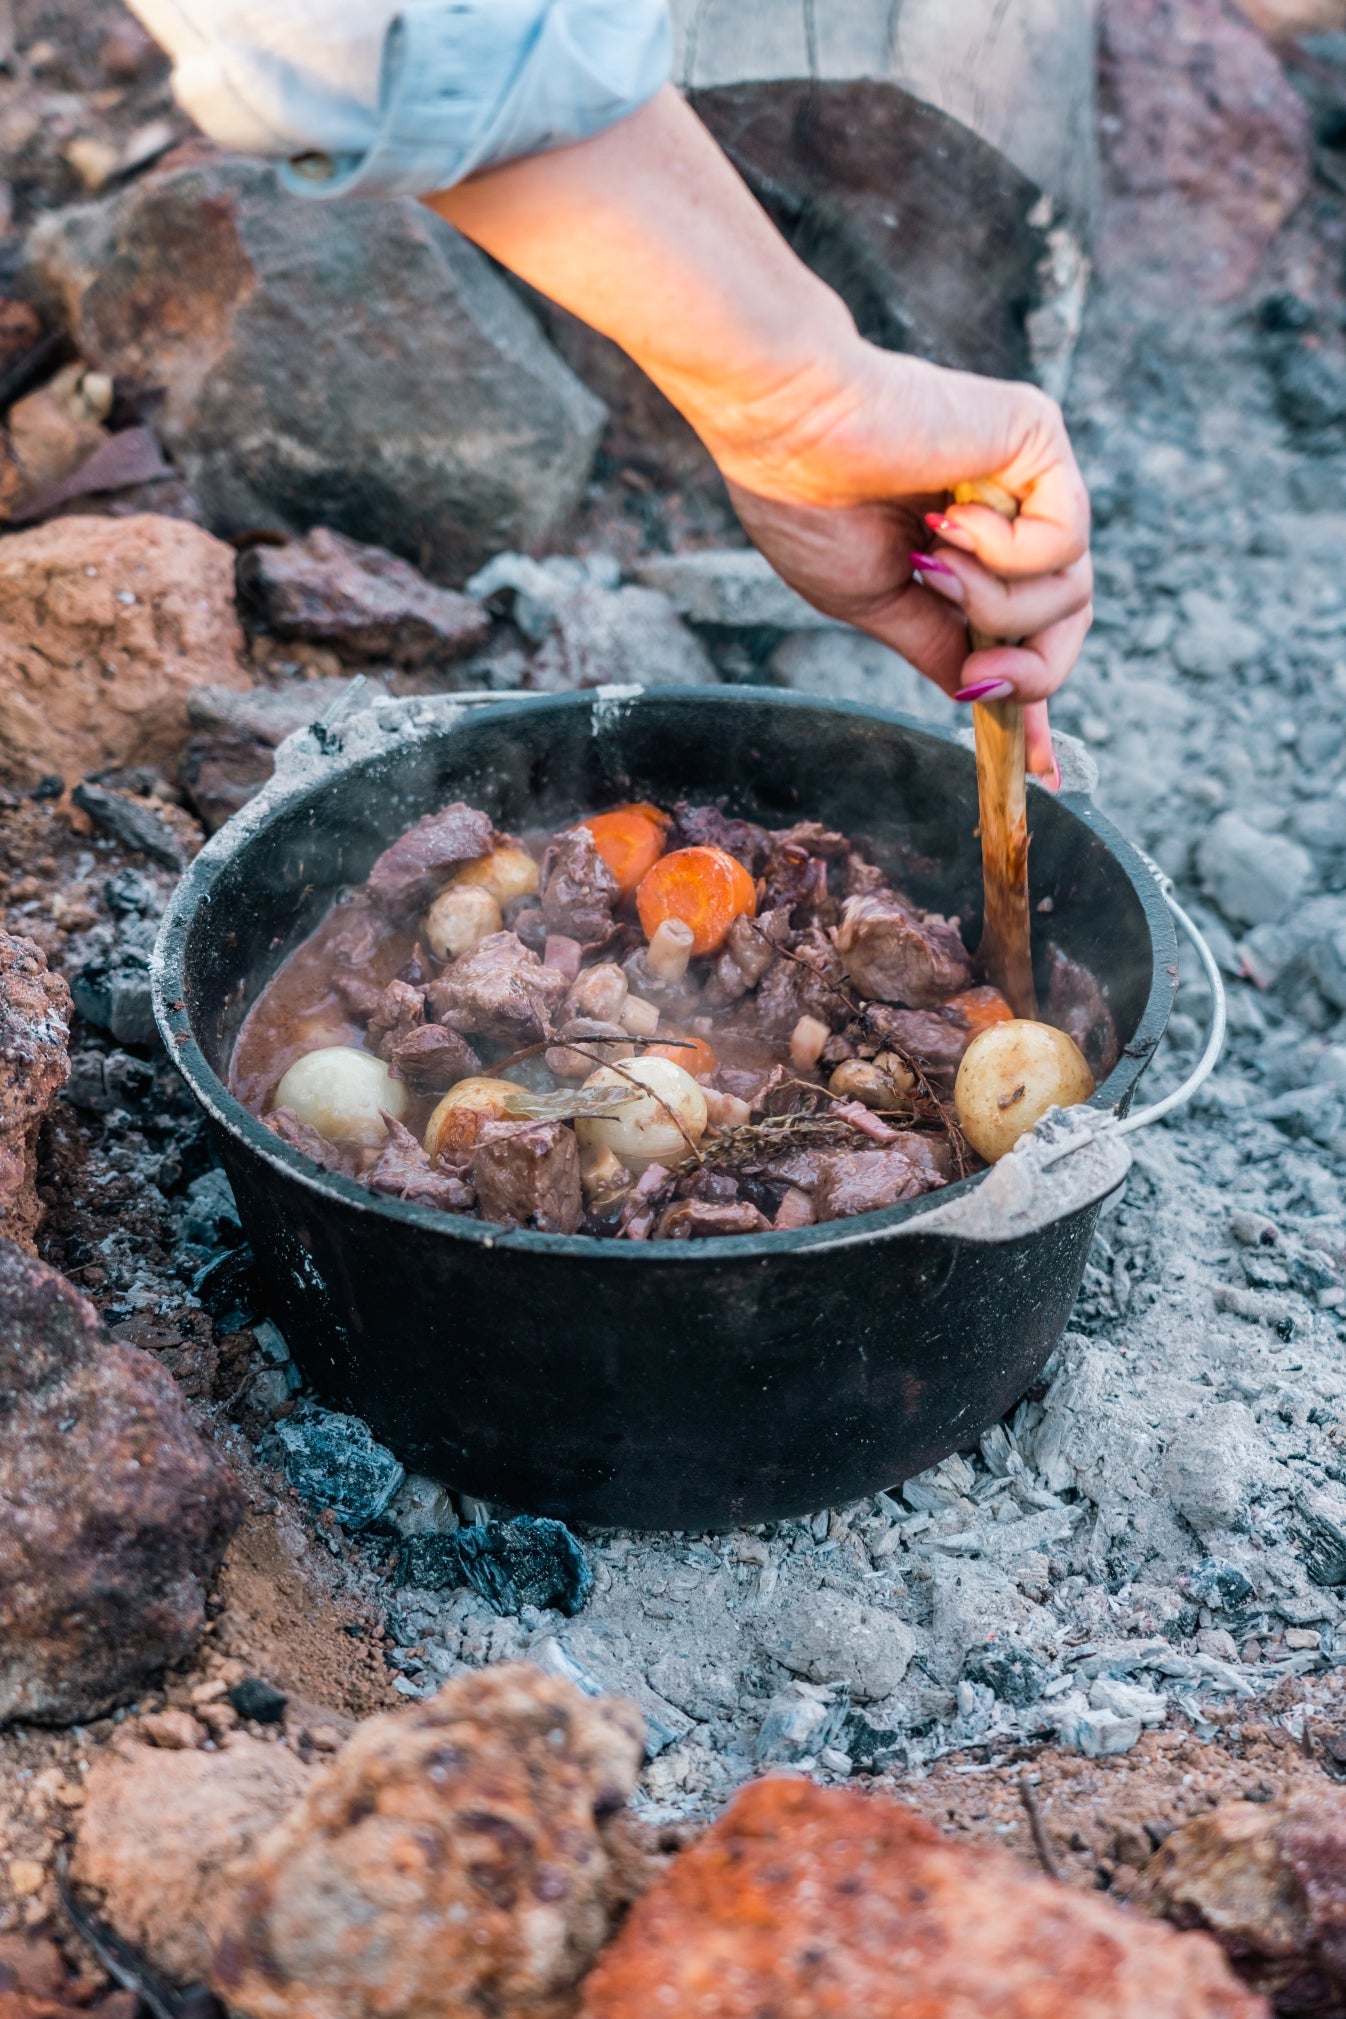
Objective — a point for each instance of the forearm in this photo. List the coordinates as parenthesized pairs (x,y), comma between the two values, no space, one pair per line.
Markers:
(647,233)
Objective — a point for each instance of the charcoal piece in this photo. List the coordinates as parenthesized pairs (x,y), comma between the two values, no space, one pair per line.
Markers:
(1323,1539)
(1008,1670)
(129,894)
(1218,1584)
(333,1461)
(800,1721)
(873,1748)
(258,1701)
(136,822)
(113,993)
(226,1288)
(530,1561)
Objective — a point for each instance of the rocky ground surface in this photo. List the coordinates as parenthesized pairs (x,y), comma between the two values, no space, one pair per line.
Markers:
(1126,1605)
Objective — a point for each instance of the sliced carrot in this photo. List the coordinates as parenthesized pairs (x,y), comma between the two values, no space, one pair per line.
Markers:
(630,840)
(704,887)
(980,1008)
(692,1053)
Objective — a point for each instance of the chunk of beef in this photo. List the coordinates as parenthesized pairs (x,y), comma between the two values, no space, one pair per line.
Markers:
(1077,1005)
(498,988)
(862,878)
(359,995)
(530,926)
(865,1181)
(700,1219)
(311,1143)
(432,1059)
(399,1011)
(817,839)
(810,982)
(796,882)
(934,1039)
(403,1171)
(578,888)
(716,1188)
(894,953)
(529,1176)
(410,874)
(748,951)
(708,827)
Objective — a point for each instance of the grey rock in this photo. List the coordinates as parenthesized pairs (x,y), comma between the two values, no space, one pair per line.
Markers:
(966,1596)
(800,1722)
(431,417)
(1321,824)
(231,750)
(1213,642)
(560,1654)
(735,587)
(333,1461)
(532,592)
(1255,878)
(1327,958)
(1215,1466)
(834,1637)
(1128,1700)
(605,637)
(844,665)
(1098,1734)
(421,1506)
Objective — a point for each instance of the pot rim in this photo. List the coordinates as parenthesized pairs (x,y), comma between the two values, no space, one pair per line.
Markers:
(306,763)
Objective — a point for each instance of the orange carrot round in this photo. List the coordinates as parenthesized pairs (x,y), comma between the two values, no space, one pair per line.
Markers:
(980,1008)
(704,887)
(630,840)
(692,1053)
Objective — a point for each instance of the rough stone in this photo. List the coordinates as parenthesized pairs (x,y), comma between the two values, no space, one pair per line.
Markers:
(105,626)
(1255,878)
(849,666)
(735,587)
(834,1637)
(1206,147)
(162,1836)
(1268,1881)
(361,599)
(232,748)
(812,1900)
(333,1461)
(192,283)
(113,1513)
(34,1066)
(257,1701)
(800,1722)
(603,637)
(1215,1465)
(1008,1669)
(452,1859)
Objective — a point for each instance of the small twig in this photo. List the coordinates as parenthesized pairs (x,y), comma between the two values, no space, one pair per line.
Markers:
(1306,1736)
(1039,1832)
(125,1964)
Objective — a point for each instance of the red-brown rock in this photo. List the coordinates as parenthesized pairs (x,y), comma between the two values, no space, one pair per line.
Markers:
(34,1066)
(453,1859)
(113,1513)
(1205,147)
(1269,1882)
(361,599)
(820,1903)
(35,1984)
(105,626)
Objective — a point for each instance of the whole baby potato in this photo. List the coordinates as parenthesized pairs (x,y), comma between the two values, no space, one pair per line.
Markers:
(339,1090)
(1010,1075)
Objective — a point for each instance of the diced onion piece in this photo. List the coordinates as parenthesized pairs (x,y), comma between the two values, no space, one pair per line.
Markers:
(481,1095)
(339,1091)
(1010,1075)
(639,1017)
(507,872)
(602,1174)
(726,1111)
(661,1126)
(598,992)
(459,918)
(670,950)
(807,1039)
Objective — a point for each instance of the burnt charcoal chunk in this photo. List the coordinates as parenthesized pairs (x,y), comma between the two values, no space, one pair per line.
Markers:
(865,1181)
(403,1171)
(707,827)
(896,954)
(810,984)
(1010,1671)
(702,1219)
(431,1059)
(1076,1005)
(258,1701)
(529,1176)
(530,1561)
(409,875)
(874,1749)
(1218,1584)
(399,1011)
(499,988)
(333,1461)
(578,888)
(934,1039)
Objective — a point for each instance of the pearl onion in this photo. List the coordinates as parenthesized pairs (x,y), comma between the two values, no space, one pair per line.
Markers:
(339,1091)
(507,872)
(460,916)
(646,1132)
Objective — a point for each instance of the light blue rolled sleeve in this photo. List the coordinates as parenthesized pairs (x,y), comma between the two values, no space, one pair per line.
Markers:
(362,99)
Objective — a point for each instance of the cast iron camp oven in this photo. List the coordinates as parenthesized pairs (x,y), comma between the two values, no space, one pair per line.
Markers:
(681,1385)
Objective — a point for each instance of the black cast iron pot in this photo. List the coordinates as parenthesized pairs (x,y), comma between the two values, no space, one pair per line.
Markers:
(681,1385)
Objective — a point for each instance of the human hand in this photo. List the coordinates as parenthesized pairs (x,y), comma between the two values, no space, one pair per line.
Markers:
(847,498)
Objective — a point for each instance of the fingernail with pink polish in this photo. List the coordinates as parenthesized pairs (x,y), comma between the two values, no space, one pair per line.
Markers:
(930,564)
(985,690)
(938,523)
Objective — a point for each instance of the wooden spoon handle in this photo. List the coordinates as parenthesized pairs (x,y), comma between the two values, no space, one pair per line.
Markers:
(1006,950)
